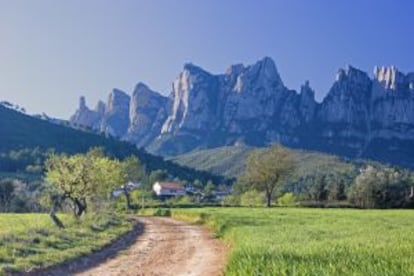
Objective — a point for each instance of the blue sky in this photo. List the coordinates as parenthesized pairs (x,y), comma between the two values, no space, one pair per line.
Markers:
(51,52)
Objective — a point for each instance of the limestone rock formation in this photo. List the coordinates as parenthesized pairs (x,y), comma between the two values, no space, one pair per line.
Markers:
(147,113)
(359,117)
(85,117)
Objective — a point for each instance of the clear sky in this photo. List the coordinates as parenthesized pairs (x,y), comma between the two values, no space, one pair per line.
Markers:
(51,52)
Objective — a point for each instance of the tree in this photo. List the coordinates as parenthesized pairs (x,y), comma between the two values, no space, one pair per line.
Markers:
(6,194)
(380,188)
(81,178)
(267,170)
(319,190)
(132,171)
(209,188)
(157,175)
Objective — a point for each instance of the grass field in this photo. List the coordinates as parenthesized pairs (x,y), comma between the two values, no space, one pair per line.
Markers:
(29,241)
(293,241)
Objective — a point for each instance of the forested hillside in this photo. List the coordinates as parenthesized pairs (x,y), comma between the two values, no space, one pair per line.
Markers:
(25,142)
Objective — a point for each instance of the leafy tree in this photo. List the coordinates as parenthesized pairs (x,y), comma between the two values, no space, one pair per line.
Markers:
(198,184)
(157,175)
(380,188)
(209,188)
(81,178)
(336,189)
(267,170)
(6,194)
(319,190)
(132,172)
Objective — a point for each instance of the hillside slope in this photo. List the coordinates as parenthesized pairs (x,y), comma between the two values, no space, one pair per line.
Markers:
(230,162)
(19,131)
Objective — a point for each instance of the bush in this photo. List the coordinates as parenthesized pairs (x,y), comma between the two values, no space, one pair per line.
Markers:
(287,199)
(231,200)
(252,198)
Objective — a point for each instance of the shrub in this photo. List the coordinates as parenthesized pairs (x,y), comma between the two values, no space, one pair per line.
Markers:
(252,198)
(287,199)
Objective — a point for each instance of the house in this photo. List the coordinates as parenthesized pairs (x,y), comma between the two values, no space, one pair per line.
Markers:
(168,189)
(130,186)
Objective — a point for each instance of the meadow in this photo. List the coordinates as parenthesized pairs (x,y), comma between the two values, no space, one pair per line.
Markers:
(30,241)
(295,241)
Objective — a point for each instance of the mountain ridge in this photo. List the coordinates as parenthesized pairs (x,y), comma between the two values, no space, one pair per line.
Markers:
(250,105)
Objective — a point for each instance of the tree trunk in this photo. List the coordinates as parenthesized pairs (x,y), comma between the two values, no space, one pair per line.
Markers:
(268,199)
(80,207)
(53,216)
(128,198)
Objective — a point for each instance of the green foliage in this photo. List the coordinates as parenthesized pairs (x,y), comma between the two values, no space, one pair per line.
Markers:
(209,188)
(287,199)
(231,200)
(227,161)
(157,175)
(381,188)
(267,170)
(133,169)
(145,198)
(295,241)
(20,196)
(161,212)
(84,178)
(252,198)
(26,142)
(180,201)
(28,241)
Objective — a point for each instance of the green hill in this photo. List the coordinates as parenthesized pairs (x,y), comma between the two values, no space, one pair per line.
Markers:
(230,161)
(24,140)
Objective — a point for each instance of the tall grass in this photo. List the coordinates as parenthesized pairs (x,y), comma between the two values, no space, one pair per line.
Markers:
(30,241)
(293,241)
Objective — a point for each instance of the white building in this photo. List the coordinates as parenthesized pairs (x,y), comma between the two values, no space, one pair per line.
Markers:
(168,189)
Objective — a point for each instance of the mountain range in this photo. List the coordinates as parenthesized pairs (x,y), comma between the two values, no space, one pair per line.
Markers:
(360,117)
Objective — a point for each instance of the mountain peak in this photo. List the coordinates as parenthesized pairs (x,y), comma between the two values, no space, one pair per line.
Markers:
(141,88)
(388,76)
(193,69)
(82,103)
(119,93)
(265,69)
(235,69)
(351,73)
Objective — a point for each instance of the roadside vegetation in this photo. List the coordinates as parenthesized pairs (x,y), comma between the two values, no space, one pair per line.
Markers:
(298,241)
(31,241)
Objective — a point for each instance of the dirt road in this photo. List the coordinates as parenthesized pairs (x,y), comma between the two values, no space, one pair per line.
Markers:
(159,246)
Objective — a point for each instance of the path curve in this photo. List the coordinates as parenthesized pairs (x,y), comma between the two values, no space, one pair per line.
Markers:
(161,246)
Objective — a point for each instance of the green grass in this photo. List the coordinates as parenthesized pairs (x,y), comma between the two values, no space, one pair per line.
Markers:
(283,241)
(29,241)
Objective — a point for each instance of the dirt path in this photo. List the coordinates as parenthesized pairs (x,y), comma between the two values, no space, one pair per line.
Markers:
(160,246)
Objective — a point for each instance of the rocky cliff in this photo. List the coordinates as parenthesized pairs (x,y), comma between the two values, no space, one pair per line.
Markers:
(359,117)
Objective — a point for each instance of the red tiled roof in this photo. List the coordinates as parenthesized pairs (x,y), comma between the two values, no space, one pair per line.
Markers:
(171,185)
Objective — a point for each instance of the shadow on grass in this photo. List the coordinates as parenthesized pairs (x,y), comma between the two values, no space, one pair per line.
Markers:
(83,263)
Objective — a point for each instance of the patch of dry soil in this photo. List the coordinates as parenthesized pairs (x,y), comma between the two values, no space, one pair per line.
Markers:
(157,246)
